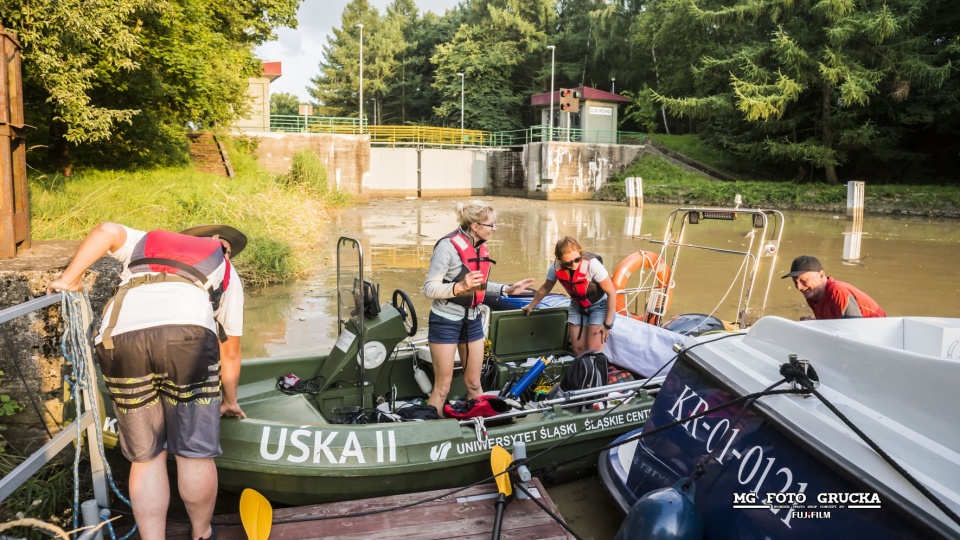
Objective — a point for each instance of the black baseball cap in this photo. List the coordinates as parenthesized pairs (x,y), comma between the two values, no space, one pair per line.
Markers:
(802,265)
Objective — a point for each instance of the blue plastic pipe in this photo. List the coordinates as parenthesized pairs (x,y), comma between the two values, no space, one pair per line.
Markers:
(531,375)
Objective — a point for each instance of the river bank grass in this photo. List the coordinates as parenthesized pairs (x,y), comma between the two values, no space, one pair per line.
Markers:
(666,183)
(283,218)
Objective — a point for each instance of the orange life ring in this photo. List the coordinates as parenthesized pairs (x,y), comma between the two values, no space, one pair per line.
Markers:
(632,263)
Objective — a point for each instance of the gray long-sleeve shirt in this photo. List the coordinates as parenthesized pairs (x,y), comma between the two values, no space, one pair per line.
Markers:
(445,264)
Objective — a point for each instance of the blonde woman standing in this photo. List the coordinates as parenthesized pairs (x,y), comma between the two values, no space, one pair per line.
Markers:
(457,281)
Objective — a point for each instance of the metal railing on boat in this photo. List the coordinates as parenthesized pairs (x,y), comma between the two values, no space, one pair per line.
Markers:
(581,398)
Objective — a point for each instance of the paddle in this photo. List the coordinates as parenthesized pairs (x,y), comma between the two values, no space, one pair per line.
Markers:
(256,514)
(500,460)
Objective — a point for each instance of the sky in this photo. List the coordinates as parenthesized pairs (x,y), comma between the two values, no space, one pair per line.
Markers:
(300,50)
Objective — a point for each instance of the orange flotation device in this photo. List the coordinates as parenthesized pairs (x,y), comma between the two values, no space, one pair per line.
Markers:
(662,288)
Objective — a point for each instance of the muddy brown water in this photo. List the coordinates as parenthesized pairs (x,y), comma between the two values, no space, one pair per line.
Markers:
(909,265)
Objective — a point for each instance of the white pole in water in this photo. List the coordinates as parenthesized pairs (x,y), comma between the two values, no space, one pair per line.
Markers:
(634,185)
(553,51)
(855,193)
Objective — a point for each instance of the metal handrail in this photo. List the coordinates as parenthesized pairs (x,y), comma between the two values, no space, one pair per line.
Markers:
(16,478)
(29,306)
(400,135)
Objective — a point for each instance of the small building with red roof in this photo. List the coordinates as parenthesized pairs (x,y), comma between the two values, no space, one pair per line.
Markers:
(258,90)
(595,123)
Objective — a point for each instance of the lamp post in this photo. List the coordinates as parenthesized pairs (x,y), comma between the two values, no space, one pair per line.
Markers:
(553,51)
(613,85)
(460,73)
(360,26)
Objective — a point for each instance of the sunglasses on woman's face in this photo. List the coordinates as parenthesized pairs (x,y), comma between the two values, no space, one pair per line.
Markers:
(571,264)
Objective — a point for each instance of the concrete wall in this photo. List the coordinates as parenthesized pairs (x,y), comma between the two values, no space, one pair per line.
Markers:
(405,172)
(570,171)
(347,157)
(573,170)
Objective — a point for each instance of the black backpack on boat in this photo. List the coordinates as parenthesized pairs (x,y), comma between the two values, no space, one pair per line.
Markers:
(589,370)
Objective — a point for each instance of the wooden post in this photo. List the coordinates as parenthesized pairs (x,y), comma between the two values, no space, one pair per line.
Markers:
(14,209)
(634,186)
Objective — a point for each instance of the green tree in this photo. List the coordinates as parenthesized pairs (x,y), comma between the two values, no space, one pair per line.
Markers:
(119,79)
(500,48)
(284,104)
(812,82)
(68,51)
(337,87)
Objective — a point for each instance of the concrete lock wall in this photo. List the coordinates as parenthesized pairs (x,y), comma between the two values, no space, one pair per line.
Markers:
(346,157)
(428,172)
(561,170)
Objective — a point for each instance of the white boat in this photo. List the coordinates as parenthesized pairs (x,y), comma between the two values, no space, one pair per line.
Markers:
(788,467)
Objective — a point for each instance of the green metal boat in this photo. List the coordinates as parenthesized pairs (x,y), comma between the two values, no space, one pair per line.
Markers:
(294,448)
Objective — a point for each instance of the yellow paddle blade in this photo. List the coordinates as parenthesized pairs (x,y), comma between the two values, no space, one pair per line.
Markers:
(256,514)
(500,460)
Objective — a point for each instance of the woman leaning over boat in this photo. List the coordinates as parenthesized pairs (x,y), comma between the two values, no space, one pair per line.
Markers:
(586,280)
(457,281)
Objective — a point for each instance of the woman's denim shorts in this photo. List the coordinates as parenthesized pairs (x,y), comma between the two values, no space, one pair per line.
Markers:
(443,330)
(597,314)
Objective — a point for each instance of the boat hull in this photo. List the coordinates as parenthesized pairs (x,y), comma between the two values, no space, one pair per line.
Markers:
(312,464)
(758,481)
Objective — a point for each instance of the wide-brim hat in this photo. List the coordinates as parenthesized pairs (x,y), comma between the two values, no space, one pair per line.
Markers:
(237,239)
(802,265)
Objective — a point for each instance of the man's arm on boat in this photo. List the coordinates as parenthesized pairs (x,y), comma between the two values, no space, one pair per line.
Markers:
(230,377)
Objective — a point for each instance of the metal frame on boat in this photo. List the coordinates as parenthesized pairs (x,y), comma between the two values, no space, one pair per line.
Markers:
(764,233)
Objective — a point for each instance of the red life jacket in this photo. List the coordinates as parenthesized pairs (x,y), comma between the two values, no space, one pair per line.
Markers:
(484,405)
(162,256)
(474,258)
(196,259)
(580,288)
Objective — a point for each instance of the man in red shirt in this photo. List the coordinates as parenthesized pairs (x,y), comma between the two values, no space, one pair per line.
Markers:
(827,297)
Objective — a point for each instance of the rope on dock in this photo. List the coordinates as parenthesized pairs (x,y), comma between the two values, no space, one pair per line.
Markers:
(75,345)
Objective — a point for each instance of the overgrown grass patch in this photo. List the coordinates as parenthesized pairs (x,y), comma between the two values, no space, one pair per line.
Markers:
(282,220)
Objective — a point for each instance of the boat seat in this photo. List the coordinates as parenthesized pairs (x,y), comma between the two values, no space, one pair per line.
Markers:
(293,409)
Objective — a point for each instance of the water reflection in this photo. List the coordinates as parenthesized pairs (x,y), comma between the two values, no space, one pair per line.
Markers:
(853,236)
(910,269)
(633,221)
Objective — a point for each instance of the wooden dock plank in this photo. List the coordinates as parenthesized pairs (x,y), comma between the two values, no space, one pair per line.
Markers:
(444,517)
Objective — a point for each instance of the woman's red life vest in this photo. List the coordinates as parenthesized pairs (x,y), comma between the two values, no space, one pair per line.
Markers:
(473,258)
(578,285)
